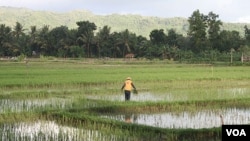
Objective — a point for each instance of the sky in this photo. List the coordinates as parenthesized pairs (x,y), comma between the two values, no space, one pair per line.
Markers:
(228,10)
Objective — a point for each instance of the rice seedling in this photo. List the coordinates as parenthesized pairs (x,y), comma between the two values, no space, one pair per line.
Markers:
(73,95)
(49,130)
(14,105)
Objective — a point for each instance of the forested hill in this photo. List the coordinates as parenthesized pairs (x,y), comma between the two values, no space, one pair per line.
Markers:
(141,25)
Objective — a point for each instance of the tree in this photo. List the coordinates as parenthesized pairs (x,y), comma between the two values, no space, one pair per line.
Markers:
(229,40)
(158,37)
(159,45)
(60,41)
(33,40)
(103,41)
(197,31)
(85,34)
(174,42)
(213,30)
(5,41)
(18,30)
(126,41)
(76,51)
(18,35)
(172,38)
(141,46)
(115,51)
(247,35)
(43,40)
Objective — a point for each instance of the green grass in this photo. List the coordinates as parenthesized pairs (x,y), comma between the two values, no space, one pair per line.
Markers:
(192,87)
(66,73)
(98,78)
(183,82)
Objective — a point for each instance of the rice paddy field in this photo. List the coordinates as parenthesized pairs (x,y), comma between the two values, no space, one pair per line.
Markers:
(76,100)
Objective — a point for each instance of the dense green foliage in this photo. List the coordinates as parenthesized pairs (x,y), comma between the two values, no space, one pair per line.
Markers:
(204,41)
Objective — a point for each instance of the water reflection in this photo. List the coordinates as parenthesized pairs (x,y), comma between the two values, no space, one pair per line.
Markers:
(130,118)
(201,119)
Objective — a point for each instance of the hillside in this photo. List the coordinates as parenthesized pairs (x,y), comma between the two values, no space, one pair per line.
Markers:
(141,25)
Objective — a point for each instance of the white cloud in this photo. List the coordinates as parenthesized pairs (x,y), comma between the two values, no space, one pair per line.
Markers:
(224,3)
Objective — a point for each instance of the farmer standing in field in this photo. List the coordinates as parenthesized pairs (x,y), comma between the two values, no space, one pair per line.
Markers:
(127,87)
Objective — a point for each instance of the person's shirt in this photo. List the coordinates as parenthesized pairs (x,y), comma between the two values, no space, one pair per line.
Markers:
(128,85)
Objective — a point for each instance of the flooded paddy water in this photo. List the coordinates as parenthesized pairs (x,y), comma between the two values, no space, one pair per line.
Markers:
(41,129)
(176,95)
(26,105)
(146,96)
(197,119)
(184,120)
(78,100)
(50,131)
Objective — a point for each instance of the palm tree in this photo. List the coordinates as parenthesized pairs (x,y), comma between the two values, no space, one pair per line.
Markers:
(114,48)
(86,39)
(102,39)
(43,39)
(33,32)
(33,40)
(126,40)
(141,46)
(5,40)
(86,34)
(18,30)
(17,34)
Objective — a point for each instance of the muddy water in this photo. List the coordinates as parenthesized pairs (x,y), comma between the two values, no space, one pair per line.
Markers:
(197,120)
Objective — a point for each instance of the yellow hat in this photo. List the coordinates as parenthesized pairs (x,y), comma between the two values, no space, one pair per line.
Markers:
(128,78)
